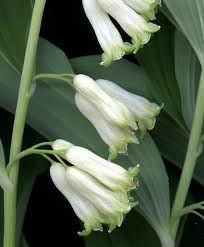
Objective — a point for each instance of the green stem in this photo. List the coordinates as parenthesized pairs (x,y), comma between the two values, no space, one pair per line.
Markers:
(19,122)
(191,157)
(27,152)
(188,209)
(61,77)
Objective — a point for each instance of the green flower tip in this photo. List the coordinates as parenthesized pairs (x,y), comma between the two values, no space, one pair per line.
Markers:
(134,171)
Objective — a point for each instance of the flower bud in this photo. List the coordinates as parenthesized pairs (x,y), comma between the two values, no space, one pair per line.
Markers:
(144,111)
(112,110)
(115,137)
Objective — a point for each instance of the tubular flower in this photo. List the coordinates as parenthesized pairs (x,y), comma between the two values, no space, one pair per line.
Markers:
(144,111)
(133,24)
(112,110)
(107,34)
(127,14)
(83,208)
(146,8)
(115,137)
(110,174)
(92,202)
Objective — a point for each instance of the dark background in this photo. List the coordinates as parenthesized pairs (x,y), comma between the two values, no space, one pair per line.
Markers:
(50,220)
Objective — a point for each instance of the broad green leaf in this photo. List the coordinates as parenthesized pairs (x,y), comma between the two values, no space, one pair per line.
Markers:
(131,77)
(188,69)
(173,145)
(14,22)
(168,14)
(153,203)
(157,58)
(189,16)
(134,232)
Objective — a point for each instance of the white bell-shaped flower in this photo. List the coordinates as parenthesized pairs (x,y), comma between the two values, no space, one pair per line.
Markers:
(84,209)
(92,202)
(146,8)
(107,34)
(144,111)
(110,174)
(111,204)
(115,137)
(133,23)
(132,15)
(112,110)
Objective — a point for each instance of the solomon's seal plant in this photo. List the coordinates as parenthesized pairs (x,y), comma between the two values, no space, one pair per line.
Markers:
(66,100)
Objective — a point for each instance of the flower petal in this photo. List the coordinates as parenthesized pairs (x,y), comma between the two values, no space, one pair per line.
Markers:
(116,138)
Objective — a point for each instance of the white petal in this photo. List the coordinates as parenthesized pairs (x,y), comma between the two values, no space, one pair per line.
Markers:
(132,23)
(140,6)
(107,34)
(104,199)
(110,174)
(116,138)
(112,110)
(83,208)
(143,110)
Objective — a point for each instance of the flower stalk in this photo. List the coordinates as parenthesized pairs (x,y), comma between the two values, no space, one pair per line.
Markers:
(19,123)
(191,157)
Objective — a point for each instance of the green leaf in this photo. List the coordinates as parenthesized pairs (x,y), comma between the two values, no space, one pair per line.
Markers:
(188,70)
(157,58)
(133,233)
(153,203)
(173,145)
(131,77)
(14,22)
(189,16)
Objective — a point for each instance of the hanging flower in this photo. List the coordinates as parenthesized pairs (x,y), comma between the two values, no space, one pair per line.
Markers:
(127,14)
(114,112)
(115,137)
(143,111)
(107,34)
(133,24)
(110,174)
(92,202)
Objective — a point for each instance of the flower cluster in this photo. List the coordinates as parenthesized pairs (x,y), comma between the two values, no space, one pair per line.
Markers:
(132,15)
(114,112)
(98,190)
